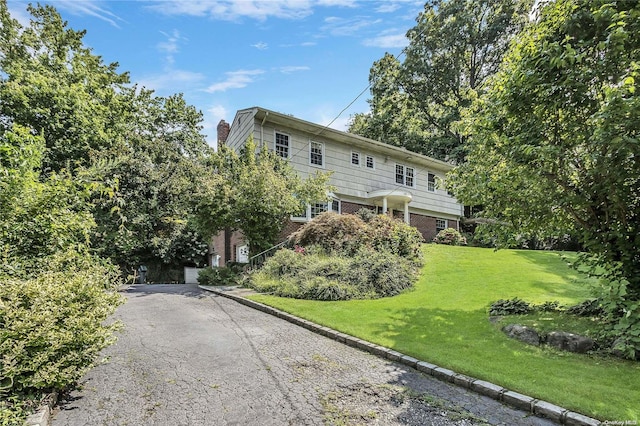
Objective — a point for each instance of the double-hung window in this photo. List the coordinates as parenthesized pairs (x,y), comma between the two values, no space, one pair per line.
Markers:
(355,158)
(282,145)
(441,224)
(405,175)
(431,182)
(370,162)
(316,153)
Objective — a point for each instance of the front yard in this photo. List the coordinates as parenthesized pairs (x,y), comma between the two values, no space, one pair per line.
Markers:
(444,320)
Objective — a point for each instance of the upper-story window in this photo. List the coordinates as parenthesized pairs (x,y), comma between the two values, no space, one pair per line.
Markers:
(370,162)
(405,175)
(316,153)
(282,145)
(431,182)
(355,158)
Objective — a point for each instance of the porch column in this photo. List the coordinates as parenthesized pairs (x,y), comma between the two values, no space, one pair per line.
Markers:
(407,218)
(384,205)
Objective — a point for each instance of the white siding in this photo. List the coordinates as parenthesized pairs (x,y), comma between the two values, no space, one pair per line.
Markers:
(351,182)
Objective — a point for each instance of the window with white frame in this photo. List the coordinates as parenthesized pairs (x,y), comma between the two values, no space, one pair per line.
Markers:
(282,145)
(431,182)
(370,162)
(316,153)
(405,175)
(441,224)
(355,158)
(318,208)
(314,209)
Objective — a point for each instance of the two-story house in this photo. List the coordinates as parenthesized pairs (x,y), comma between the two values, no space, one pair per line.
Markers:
(366,173)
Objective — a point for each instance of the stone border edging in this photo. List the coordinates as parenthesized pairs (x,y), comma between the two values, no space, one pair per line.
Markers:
(523,402)
(42,417)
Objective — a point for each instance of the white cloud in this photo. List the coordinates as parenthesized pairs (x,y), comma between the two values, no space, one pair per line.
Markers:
(89,8)
(170,45)
(337,26)
(231,10)
(389,39)
(340,3)
(169,80)
(260,45)
(292,68)
(303,44)
(235,80)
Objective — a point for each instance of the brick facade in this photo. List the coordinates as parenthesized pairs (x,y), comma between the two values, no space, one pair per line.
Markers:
(425,224)
(236,239)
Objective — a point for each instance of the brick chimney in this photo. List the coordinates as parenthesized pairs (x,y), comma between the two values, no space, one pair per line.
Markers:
(223,131)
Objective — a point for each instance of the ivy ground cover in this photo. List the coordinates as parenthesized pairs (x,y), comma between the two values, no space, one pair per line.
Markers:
(444,320)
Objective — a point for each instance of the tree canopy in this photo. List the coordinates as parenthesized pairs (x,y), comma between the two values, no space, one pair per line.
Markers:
(455,46)
(254,191)
(554,144)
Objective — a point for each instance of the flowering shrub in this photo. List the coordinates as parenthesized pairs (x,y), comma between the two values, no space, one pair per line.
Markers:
(450,237)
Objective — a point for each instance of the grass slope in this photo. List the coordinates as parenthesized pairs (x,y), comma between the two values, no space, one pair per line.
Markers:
(444,320)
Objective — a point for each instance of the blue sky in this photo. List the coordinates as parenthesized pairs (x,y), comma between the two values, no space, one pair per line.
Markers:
(308,58)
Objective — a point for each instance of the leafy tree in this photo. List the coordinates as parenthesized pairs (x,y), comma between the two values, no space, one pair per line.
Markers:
(454,47)
(51,83)
(39,218)
(555,143)
(102,130)
(148,217)
(255,192)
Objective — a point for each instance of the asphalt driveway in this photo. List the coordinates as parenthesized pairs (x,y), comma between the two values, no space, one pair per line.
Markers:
(188,357)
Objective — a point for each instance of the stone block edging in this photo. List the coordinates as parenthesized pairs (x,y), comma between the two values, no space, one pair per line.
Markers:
(523,402)
(42,417)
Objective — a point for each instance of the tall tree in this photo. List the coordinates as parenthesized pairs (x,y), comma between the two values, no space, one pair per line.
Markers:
(454,47)
(100,128)
(54,85)
(555,142)
(148,218)
(254,192)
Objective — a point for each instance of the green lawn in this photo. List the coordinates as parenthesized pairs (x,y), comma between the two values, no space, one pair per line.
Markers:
(444,320)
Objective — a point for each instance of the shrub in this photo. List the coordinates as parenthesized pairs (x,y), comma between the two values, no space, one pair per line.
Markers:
(394,236)
(340,233)
(365,214)
(317,275)
(588,308)
(510,307)
(451,237)
(218,276)
(548,307)
(52,326)
(347,234)
(382,274)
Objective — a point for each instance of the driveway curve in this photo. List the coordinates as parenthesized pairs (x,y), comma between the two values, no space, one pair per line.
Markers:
(188,357)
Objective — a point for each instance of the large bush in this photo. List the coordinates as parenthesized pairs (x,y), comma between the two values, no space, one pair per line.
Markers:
(347,234)
(315,274)
(450,237)
(218,276)
(52,325)
(338,233)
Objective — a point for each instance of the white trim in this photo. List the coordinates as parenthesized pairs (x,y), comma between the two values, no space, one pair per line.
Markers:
(404,175)
(358,156)
(275,137)
(322,153)
(435,182)
(446,224)
(373,162)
